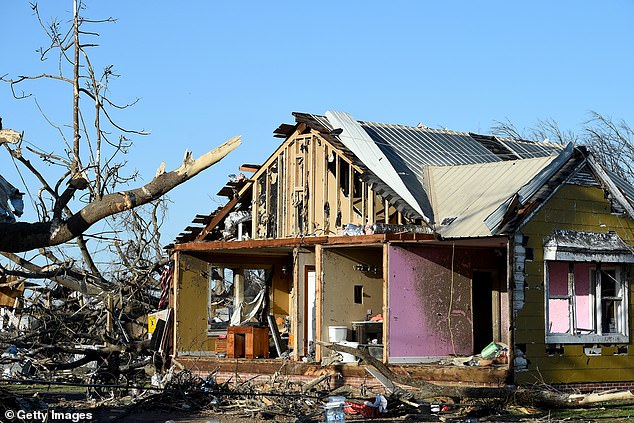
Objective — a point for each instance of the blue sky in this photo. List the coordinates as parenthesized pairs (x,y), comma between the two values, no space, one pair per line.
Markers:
(206,71)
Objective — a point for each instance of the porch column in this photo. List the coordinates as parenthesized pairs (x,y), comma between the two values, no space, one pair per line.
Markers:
(238,288)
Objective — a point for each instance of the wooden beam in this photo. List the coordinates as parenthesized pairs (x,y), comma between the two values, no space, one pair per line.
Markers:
(305,241)
(311,182)
(350,195)
(247,167)
(202,219)
(217,218)
(281,194)
(325,195)
(252,243)
(255,206)
(241,261)
(371,209)
(386,207)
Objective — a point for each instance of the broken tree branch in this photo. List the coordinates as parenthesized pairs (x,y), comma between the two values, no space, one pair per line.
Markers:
(22,236)
(63,279)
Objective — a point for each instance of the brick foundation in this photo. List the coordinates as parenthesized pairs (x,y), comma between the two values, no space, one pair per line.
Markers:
(594,387)
(265,370)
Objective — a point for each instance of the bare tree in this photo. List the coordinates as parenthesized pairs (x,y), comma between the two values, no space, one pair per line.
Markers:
(90,161)
(91,286)
(547,130)
(611,141)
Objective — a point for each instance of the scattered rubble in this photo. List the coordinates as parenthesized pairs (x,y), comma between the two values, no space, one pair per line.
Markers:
(279,398)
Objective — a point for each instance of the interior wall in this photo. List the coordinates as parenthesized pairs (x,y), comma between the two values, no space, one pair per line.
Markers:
(430,312)
(281,288)
(191,305)
(304,258)
(193,294)
(339,279)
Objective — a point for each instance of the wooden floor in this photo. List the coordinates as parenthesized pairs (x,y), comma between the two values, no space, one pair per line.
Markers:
(353,374)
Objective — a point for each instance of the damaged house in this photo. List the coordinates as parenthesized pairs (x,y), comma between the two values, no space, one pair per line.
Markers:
(417,245)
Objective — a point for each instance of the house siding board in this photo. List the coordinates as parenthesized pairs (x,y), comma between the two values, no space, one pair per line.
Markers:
(579,208)
(191,317)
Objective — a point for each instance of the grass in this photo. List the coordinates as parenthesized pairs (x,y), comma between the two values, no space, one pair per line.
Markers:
(612,412)
(28,389)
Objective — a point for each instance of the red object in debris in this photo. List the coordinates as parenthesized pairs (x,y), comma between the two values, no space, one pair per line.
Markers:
(377,318)
(364,409)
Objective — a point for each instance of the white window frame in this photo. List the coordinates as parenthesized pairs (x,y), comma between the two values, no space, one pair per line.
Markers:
(597,336)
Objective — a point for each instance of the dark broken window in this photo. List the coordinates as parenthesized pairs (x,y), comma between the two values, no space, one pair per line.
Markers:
(357,189)
(344,177)
(358,294)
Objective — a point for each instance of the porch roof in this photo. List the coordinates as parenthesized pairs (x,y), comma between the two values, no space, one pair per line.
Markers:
(302,241)
(603,247)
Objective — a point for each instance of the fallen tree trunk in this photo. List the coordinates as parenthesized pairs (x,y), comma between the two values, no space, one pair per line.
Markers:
(60,276)
(594,398)
(22,236)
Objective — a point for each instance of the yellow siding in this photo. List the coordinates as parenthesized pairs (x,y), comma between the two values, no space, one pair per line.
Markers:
(191,305)
(583,209)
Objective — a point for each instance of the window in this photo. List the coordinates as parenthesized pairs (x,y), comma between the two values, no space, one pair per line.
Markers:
(586,302)
(358,294)
(231,287)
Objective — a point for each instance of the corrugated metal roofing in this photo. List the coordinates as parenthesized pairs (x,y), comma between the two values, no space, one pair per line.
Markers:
(468,194)
(356,139)
(626,188)
(531,186)
(410,150)
(417,146)
(530,149)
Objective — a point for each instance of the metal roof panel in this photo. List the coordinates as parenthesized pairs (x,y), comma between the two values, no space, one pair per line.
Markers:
(466,195)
